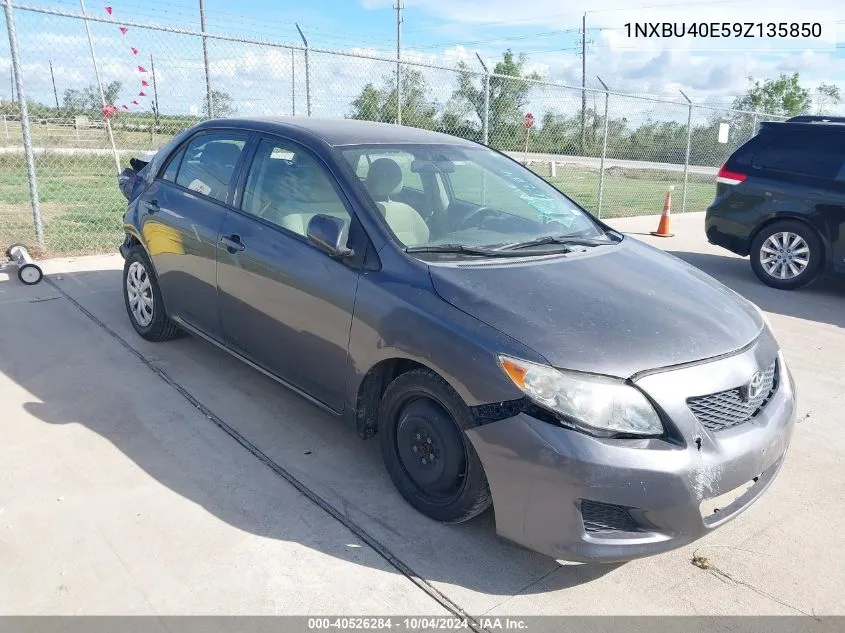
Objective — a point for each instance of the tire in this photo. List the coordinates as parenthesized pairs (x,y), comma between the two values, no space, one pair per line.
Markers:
(420,411)
(769,243)
(149,320)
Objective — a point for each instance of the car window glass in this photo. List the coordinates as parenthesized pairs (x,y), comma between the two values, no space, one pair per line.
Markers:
(472,183)
(410,179)
(813,152)
(172,168)
(288,187)
(209,164)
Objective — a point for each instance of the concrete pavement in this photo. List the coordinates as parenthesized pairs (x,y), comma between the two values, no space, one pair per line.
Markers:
(123,492)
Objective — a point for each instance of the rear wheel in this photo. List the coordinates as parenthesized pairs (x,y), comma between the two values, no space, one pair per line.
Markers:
(786,255)
(143,300)
(425,450)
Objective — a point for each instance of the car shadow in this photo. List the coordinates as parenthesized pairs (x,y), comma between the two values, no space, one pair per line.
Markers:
(321,451)
(823,301)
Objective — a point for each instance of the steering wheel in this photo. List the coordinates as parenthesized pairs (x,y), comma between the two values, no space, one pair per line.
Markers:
(475,214)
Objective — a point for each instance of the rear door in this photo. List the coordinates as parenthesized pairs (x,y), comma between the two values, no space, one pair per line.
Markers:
(283,303)
(183,211)
(811,157)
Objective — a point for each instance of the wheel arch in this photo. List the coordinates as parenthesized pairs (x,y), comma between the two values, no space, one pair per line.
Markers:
(372,387)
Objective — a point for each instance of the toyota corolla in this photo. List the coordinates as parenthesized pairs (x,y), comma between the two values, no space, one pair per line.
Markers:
(504,347)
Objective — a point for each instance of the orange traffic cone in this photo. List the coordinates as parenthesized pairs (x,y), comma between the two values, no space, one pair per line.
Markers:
(663,227)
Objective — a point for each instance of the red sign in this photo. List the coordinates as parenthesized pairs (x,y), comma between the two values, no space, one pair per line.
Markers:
(528,121)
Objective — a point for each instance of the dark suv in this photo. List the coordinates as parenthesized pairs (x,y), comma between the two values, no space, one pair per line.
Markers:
(780,198)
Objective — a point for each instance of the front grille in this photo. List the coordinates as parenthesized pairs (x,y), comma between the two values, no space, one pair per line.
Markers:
(726,409)
(604,518)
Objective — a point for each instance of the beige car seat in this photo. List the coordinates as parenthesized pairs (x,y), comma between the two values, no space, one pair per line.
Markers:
(383,180)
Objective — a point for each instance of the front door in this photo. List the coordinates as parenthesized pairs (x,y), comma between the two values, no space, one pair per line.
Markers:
(182,212)
(283,303)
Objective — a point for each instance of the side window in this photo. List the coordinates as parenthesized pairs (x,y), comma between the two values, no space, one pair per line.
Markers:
(209,163)
(288,187)
(813,152)
(169,173)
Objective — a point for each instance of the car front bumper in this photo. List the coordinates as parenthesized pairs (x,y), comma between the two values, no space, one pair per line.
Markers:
(541,475)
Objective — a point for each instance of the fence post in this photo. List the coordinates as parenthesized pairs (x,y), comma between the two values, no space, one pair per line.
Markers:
(27,138)
(6,127)
(307,74)
(686,159)
(292,82)
(485,121)
(208,93)
(604,143)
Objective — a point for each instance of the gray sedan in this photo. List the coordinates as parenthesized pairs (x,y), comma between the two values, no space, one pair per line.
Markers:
(503,346)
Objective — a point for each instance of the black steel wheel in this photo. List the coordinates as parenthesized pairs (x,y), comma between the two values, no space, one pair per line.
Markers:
(425,450)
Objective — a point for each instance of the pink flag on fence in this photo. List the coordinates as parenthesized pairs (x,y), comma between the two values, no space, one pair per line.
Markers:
(123,30)
(134,50)
(144,82)
(125,107)
(142,94)
(135,103)
(108,10)
(141,69)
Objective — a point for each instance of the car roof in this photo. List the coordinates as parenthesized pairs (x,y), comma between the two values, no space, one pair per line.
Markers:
(339,132)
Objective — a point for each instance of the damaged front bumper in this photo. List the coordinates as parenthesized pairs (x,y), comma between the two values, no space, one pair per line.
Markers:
(576,497)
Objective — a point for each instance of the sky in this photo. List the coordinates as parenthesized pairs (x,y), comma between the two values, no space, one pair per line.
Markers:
(439,32)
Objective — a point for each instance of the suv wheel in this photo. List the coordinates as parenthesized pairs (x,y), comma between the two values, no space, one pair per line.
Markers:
(786,255)
(431,462)
(143,299)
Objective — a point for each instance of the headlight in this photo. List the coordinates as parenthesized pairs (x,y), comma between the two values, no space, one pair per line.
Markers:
(604,406)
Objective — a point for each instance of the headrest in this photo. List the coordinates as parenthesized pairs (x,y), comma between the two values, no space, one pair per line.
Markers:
(384,178)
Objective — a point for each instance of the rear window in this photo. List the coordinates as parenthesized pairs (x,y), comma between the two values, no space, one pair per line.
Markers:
(818,152)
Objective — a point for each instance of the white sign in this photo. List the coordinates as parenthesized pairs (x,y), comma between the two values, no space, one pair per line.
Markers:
(724,128)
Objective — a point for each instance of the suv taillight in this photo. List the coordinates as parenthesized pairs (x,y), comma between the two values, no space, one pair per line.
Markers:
(729,177)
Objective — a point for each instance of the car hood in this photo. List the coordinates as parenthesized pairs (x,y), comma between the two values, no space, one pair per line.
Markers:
(615,310)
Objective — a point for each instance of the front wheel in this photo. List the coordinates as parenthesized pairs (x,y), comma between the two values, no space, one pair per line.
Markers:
(786,255)
(425,450)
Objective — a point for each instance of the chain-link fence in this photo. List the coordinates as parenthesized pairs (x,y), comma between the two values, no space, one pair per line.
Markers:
(616,154)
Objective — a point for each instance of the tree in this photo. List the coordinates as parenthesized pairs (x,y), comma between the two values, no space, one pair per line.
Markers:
(379,104)
(508,96)
(87,100)
(223,104)
(827,96)
(783,96)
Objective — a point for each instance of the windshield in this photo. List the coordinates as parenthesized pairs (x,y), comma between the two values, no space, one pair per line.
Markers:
(455,195)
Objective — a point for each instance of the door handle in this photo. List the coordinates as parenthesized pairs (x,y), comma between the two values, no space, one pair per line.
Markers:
(233,243)
(152,206)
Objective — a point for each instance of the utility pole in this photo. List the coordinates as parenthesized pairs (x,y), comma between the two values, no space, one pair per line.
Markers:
(55,92)
(398,8)
(205,60)
(584,83)
(292,83)
(155,90)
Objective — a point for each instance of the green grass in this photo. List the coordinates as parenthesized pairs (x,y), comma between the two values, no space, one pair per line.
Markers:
(82,207)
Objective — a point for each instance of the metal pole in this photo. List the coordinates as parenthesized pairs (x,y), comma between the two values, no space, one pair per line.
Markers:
(686,159)
(100,86)
(55,92)
(604,143)
(485,121)
(584,84)
(398,66)
(27,138)
(208,94)
(307,73)
(155,91)
(292,83)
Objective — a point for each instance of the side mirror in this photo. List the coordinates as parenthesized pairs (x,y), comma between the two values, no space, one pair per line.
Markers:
(328,233)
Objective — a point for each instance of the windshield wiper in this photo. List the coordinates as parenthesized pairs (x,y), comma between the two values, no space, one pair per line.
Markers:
(461,250)
(558,239)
